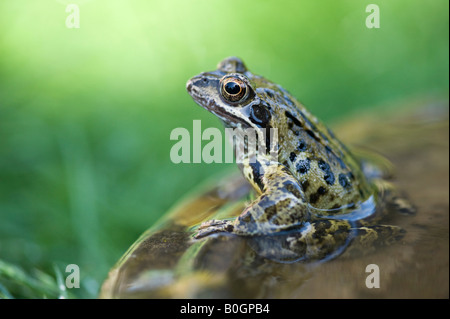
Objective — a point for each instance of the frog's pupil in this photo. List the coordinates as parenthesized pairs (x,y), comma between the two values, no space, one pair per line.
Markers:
(232,88)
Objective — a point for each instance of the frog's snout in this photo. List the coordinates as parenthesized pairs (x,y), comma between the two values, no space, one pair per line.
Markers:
(189,84)
(192,84)
(198,85)
(194,87)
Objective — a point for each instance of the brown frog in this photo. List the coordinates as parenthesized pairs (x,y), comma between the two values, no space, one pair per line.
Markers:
(307,180)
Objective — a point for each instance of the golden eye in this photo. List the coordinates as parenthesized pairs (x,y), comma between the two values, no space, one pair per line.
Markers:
(233,89)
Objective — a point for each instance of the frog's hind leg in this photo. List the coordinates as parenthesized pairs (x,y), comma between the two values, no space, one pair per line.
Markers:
(321,239)
(369,238)
(378,235)
(327,239)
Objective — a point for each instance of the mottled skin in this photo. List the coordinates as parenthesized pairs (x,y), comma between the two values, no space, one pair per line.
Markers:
(313,183)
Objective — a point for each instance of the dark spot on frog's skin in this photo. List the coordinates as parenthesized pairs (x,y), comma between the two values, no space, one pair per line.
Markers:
(259,115)
(313,198)
(311,124)
(290,125)
(256,169)
(296,132)
(292,157)
(329,176)
(293,118)
(299,124)
(321,229)
(301,146)
(311,133)
(343,180)
(305,185)
(270,211)
(351,176)
(269,93)
(303,166)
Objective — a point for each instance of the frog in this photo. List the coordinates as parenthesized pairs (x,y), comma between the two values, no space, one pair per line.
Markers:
(307,180)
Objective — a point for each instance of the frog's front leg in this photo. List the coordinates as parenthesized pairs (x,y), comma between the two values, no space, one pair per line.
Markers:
(280,206)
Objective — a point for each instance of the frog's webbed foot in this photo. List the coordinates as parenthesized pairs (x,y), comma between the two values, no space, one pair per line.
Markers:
(214,226)
(369,238)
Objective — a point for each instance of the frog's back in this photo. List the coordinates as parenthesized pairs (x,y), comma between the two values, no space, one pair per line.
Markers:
(330,176)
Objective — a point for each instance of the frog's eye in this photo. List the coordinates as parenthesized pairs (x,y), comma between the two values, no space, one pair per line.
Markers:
(233,89)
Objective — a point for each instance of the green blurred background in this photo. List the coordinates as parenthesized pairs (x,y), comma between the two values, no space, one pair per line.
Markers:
(86,114)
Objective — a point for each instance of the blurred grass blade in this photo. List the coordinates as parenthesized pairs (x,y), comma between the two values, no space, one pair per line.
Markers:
(28,286)
(60,283)
(4,293)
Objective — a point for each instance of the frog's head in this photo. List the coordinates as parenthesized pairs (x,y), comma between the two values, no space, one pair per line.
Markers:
(235,95)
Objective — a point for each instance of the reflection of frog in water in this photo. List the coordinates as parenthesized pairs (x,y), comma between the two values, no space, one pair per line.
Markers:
(314,185)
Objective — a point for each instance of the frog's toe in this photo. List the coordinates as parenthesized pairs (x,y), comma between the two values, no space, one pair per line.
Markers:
(213,226)
(212,222)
